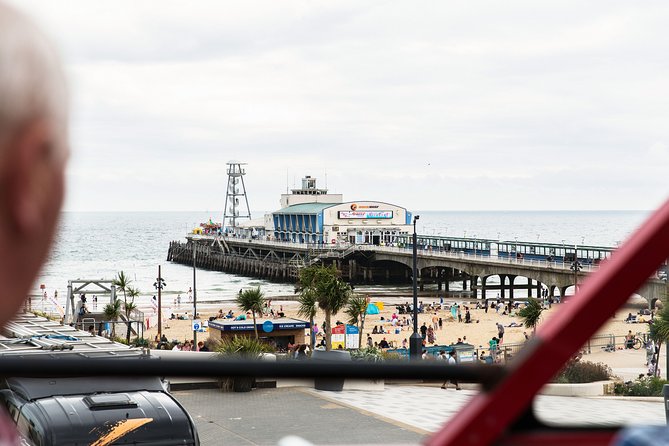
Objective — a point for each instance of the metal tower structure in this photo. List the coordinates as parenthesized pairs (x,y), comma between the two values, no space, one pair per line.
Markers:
(233,193)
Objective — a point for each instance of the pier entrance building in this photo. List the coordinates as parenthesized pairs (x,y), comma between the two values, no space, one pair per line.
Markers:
(312,215)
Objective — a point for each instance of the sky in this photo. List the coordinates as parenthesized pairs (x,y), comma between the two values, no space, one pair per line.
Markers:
(430,105)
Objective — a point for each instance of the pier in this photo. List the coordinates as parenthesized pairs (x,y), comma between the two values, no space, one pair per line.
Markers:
(374,264)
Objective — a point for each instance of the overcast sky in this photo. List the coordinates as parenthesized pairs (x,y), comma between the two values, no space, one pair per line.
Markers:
(428,105)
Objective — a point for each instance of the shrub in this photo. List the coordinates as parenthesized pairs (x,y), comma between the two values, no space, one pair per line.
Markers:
(577,371)
(370,354)
(373,354)
(643,386)
(140,342)
(242,346)
(391,356)
(120,340)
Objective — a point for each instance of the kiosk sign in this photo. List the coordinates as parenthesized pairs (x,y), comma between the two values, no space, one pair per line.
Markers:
(365,214)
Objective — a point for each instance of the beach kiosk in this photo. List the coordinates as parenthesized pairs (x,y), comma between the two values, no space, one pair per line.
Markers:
(279,331)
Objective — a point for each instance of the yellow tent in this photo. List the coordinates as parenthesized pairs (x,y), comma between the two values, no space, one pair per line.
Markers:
(379,304)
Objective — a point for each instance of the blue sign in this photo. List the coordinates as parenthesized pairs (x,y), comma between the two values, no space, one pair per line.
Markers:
(352,329)
(267,326)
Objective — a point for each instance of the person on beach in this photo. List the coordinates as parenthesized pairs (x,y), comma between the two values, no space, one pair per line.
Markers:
(423,330)
(500,332)
(492,347)
(430,335)
(451,361)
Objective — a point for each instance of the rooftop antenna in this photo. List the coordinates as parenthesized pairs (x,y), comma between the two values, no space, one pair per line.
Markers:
(233,193)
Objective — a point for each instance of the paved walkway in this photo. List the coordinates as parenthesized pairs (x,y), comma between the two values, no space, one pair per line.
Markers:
(400,414)
(429,407)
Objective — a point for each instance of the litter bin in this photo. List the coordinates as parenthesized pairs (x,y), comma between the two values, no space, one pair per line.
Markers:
(331,384)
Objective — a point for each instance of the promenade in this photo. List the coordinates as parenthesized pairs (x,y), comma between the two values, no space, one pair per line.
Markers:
(400,414)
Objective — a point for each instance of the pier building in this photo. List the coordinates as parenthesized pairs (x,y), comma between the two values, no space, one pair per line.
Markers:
(312,215)
(369,242)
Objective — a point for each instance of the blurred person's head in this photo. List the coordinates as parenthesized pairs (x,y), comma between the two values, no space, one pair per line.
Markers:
(33,152)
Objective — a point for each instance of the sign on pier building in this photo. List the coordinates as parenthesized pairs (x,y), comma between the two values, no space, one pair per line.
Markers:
(359,222)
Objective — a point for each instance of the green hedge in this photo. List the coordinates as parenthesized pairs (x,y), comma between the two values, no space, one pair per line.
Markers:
(645,386)
(583,372)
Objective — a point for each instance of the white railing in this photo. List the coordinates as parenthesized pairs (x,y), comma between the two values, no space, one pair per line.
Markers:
(341,249)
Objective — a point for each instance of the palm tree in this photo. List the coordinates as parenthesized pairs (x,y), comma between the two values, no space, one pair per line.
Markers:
(357,310)
(329,289)
(659,332)
(128,308)
(307,308)
(531,313)
(112,313)
(122,282)
(251,300)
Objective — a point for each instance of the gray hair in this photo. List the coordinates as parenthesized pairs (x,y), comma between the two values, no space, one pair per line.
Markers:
(32,83)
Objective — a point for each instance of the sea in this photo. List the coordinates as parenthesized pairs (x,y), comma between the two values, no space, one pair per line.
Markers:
(97,245)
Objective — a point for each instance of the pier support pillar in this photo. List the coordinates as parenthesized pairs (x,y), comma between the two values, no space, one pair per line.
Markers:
(483,289)
(502,285)
(512,278)
(551,291)
(421,285)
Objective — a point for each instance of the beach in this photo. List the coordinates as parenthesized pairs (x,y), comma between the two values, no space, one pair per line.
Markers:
(478,333)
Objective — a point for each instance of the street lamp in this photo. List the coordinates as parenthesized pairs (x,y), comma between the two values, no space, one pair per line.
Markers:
(194,298)
(415,341)
(159,284)
(576,267)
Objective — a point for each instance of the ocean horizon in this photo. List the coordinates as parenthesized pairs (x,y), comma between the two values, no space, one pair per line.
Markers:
(97,245)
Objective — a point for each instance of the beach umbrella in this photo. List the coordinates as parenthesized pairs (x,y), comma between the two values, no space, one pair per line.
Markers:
(372,309)
(379,305)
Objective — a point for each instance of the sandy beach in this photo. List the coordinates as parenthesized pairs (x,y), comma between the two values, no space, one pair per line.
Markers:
(478,332)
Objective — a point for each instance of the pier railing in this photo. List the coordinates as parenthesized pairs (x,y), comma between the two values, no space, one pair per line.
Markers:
(342,250)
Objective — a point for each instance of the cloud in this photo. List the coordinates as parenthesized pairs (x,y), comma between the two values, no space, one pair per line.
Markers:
(430,106)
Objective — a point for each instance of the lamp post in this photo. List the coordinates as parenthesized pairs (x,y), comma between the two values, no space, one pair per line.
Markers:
(415,341)
(159,284)
(576,267)
(194,299)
